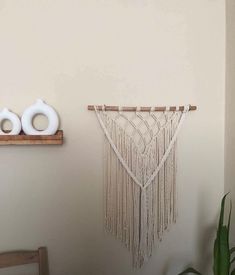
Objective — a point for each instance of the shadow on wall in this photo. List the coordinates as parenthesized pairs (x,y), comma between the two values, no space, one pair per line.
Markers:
(205,240)
(230,104)
(206,235)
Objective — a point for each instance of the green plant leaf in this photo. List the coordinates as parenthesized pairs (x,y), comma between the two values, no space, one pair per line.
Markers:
(221,245)
(224,252)
(190,270)
(229,217)
(221,220)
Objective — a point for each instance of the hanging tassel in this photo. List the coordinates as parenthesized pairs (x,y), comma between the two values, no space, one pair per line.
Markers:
(135,213)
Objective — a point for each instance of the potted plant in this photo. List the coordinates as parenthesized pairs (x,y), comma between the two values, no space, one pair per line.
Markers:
(223,254)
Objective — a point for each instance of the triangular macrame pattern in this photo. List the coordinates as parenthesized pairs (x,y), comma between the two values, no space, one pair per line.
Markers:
(140,176)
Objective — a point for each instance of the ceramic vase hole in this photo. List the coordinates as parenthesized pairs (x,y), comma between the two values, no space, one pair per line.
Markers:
(6,125)
(40,122)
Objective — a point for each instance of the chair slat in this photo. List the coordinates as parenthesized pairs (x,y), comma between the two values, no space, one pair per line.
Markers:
(22,257)
(15,258)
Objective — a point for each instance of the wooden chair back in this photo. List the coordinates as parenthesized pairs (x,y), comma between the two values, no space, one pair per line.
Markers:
(24,257)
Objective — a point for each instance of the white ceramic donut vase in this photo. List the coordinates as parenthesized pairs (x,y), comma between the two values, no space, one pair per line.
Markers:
(40,108)
(5,114)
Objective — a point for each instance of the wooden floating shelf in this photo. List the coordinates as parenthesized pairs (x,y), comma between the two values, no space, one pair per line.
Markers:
(23,139)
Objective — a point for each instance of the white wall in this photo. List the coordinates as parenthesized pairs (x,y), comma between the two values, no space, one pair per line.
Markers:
(75,53)
(230,103)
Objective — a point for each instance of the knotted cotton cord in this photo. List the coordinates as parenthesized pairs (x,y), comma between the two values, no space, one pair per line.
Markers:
(140,184)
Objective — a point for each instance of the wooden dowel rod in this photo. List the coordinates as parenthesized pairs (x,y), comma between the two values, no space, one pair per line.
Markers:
(142,109)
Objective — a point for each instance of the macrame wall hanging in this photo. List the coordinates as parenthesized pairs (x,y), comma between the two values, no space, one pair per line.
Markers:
(140,173)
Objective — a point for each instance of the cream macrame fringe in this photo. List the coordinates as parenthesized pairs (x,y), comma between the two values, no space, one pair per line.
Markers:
(140,177)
